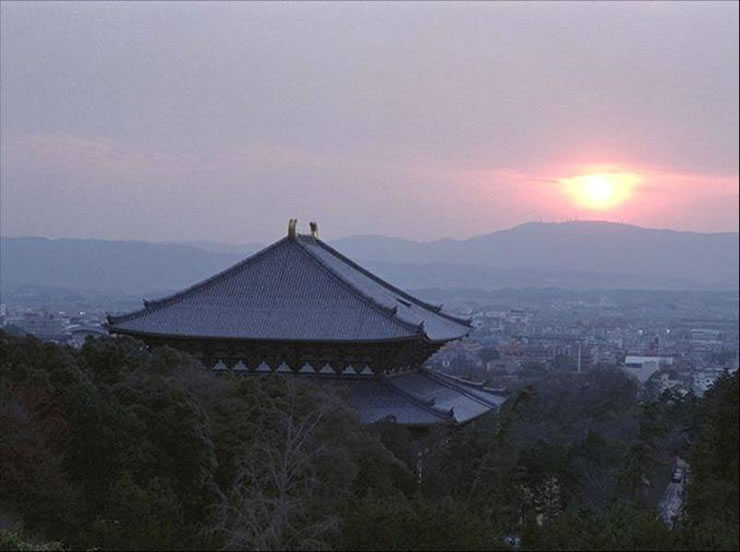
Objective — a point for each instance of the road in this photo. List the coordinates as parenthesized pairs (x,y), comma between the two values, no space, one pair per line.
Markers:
(671,503)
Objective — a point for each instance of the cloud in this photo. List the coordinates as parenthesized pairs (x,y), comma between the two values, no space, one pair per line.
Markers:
(69,152)
(72,153)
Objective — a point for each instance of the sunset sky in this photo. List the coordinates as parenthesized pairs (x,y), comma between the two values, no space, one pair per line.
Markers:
(187,121)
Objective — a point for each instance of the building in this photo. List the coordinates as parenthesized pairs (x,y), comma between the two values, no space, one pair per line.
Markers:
(642,367)
(704,379)
(705,339)
(41,324)
(300,307)
(670,379)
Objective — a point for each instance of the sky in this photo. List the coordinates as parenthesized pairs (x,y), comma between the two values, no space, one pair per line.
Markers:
(220,121)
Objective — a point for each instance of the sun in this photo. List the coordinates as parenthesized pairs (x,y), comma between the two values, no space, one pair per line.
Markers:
(602,190)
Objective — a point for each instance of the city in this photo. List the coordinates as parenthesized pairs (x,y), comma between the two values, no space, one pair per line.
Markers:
(665,340)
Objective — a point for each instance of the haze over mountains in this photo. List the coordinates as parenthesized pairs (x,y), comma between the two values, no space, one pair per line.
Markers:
(569,255)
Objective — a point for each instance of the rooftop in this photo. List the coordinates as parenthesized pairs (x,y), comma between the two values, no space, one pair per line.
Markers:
(297,289)
(416,398)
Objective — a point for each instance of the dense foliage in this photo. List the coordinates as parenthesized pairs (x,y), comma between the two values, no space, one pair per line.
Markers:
(116,447)
(713,502)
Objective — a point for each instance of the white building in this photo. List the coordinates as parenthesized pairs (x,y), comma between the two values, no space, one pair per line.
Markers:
(705,379)
(642,367)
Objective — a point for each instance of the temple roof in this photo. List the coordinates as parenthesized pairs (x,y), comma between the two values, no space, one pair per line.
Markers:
(297,289)
(417,398)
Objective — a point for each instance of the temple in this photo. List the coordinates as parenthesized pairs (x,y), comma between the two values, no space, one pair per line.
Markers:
(300,307)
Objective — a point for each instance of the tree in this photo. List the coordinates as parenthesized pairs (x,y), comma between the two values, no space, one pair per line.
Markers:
(300,465)
(713,493)
(268,506)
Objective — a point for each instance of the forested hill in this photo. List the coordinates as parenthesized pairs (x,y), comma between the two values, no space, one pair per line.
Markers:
(114,447)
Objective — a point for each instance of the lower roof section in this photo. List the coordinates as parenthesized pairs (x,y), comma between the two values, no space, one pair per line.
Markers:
(419,398)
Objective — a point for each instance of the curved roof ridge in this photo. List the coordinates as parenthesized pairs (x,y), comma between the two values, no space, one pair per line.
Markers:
(156,304)
(392,313)
(442,379)
(436,309)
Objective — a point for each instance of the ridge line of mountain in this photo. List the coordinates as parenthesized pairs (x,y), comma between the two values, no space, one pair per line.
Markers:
(201,244)
(571,255)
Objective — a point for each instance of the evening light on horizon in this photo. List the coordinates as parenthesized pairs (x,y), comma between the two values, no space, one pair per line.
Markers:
(173,122)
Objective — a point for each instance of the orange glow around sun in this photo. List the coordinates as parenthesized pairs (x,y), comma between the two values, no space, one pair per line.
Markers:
(601,190)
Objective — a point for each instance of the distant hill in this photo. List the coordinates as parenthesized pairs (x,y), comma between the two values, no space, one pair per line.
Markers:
(569,255)
(112,266)
(657,258)
(218,247)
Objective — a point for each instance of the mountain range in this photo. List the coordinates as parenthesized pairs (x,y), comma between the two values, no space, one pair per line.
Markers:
(582,255)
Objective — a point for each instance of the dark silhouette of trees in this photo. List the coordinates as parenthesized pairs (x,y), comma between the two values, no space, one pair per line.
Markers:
(117,447)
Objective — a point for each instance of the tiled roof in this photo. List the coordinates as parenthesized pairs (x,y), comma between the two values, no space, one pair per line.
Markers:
(478,391)
(438,325)
(444,395)
(375,401)
(297,289)
(413,398)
